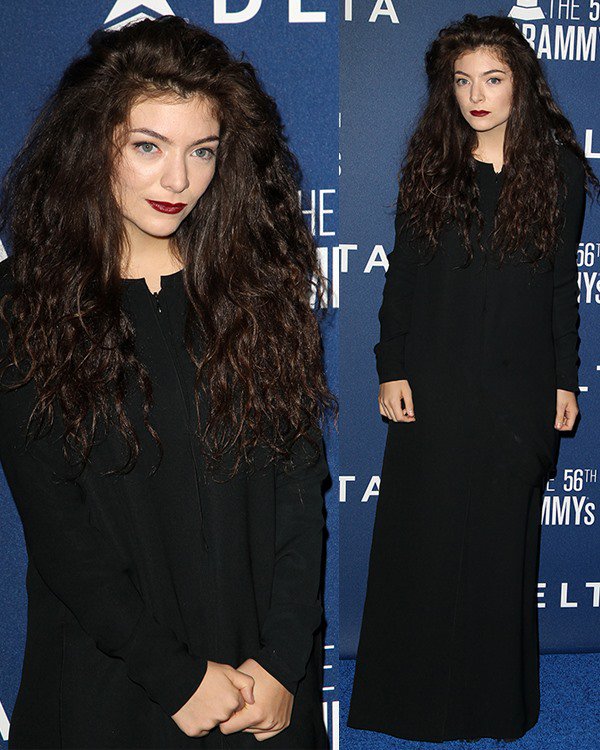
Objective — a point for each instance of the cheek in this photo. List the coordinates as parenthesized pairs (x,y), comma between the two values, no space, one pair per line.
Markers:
(205,178)
(139,172)
(129,178)
(505,101)
(505,98)
(462,97)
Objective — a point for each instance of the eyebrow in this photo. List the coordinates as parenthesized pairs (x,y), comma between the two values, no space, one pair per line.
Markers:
(487,72)
(164,138)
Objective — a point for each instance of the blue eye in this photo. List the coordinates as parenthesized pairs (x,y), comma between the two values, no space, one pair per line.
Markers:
(498,80)
(207,153)
(204,153)
(144,143)
(460,81)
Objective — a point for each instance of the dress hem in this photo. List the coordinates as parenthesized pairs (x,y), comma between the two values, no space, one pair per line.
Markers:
(416,737)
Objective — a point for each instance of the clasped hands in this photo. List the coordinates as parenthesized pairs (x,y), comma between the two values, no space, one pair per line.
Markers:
(392,393)
(247,699)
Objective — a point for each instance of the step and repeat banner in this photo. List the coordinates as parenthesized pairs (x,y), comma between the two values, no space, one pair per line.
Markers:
(294,46)
(382,94)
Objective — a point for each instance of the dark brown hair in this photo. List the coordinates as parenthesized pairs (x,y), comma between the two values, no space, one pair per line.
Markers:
(250,260)
(437,177)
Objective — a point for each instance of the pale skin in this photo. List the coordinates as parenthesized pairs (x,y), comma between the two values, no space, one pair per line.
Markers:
(170,156)
(175,171)
(482,82)
(271,710)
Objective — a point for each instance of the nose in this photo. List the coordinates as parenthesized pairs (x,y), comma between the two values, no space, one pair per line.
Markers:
(174,176)
(476,94)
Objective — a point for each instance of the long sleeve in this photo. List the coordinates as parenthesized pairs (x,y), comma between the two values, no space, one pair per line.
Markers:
(566,289)
(395,311)
(80,565)
(296,610)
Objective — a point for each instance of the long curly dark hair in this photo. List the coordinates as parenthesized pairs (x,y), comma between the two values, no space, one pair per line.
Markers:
(437,176)
(251,267)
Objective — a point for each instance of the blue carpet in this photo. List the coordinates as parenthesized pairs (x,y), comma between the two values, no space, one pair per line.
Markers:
(569,713)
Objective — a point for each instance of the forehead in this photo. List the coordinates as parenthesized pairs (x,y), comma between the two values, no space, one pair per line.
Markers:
(174,113)
(479,60)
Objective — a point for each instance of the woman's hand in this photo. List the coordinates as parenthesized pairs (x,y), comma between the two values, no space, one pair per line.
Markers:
(390,401)
(566,410)
(271,711)
(221,693)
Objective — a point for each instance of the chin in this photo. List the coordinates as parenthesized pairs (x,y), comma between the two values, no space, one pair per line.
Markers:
(482,126)
(163,229)
(159,232)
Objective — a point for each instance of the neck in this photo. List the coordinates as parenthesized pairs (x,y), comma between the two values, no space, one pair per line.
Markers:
(490,145)
(150,257)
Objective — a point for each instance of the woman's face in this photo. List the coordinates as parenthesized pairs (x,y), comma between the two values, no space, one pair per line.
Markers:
(169,157)
(483,88)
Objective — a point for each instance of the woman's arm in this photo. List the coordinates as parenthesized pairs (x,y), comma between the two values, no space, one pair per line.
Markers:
(395,311)
(296,611)
(91,577)
(566,289)
(81,567)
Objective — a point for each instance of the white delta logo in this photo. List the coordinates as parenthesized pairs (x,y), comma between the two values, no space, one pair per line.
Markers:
(296,14)
(129,11)
(4,724)
(379,9)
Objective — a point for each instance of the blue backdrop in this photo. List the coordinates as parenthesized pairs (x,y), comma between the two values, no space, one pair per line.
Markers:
(294,46)
(382,93)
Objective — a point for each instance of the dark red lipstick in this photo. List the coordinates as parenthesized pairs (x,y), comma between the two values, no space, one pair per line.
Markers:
(167,208)
(479,112)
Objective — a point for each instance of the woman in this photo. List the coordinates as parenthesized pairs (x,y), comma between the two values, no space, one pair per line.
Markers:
(161,409)
(477,365)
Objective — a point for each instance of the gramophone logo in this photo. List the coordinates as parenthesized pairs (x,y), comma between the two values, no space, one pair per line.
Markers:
(566,32)
(130,11)
(527,10)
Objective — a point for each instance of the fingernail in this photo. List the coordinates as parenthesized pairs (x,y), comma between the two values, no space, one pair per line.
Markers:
(411,414)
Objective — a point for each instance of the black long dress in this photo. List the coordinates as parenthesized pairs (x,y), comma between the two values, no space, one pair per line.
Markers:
(449,638)
(134,582)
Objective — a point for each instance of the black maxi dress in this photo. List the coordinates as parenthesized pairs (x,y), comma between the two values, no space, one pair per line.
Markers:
(448,646)
(134,582)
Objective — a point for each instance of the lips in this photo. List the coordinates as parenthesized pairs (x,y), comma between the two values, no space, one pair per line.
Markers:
(167,208)
(479,112)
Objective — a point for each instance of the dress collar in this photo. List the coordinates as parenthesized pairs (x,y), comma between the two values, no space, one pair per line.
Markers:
(487,166)
(170,279)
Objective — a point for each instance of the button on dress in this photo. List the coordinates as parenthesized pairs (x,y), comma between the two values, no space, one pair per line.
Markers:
(134,582)
(449,646)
